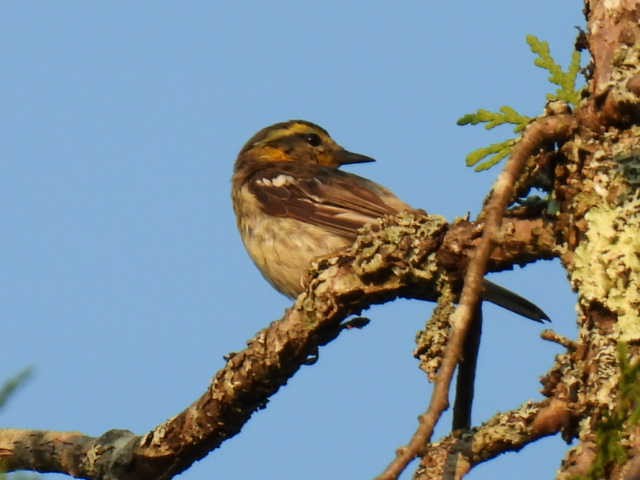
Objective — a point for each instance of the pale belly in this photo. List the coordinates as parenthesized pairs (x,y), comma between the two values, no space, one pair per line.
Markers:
(283,250)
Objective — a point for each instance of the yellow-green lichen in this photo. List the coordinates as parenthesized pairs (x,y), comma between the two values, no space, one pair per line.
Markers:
(607,264)
(431,342)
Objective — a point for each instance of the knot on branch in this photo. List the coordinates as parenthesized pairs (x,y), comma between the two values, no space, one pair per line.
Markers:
(111,453)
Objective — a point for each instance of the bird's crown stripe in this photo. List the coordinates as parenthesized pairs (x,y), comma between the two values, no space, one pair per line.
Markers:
(293,129)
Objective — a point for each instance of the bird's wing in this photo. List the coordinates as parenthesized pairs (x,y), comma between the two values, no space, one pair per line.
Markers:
(338,201)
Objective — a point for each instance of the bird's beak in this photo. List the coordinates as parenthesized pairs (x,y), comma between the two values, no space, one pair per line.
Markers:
(345,157)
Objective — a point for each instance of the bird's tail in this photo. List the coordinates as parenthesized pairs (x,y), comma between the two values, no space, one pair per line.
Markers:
(512,301)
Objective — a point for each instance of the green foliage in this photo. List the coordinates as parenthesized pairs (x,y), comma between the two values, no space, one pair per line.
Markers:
(11,385)
(495,119)
(624,416)
(496,152)
(566,91)
(566,81)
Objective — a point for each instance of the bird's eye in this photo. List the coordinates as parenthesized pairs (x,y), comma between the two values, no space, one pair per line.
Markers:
(313,139)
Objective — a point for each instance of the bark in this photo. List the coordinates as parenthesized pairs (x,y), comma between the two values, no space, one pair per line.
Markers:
(591,392)
(599,220)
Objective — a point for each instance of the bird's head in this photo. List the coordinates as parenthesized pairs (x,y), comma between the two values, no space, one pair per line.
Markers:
(296,141)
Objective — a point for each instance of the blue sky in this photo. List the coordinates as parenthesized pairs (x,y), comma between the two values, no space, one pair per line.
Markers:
(123,278)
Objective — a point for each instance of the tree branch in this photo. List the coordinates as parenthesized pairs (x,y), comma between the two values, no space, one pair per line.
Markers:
(459,452)
(394,257)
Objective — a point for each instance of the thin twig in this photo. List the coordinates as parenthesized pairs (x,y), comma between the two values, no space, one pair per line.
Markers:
(540,132)
(555,337)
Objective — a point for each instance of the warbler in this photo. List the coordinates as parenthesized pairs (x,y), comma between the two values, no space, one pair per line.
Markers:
(293,205)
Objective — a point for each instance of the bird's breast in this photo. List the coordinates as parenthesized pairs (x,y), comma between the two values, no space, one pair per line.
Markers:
(282,248)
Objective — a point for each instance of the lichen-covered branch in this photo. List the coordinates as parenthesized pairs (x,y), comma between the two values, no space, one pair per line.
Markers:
(510,431)
(73,453)
(596,190)
(394,257)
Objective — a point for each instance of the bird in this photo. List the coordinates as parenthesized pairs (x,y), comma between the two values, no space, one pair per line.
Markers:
(294,204)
